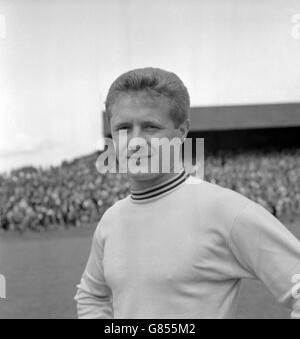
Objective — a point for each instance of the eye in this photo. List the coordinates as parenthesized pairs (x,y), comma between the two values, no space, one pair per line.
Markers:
(122,127)
(151,127)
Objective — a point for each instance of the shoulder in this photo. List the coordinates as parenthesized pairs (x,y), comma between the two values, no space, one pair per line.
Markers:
(215,194)
(216,202)
(110,217)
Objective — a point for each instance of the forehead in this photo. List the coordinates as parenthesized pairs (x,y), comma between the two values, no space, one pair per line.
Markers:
(140,106)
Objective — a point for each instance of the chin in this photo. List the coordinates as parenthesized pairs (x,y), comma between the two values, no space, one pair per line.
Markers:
(143,176)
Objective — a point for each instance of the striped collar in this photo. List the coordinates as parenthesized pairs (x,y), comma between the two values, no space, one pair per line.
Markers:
(160,189)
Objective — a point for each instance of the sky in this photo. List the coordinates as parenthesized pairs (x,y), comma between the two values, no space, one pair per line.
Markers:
(59,57)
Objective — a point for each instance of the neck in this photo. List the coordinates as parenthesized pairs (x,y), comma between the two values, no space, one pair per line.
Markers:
(138,185)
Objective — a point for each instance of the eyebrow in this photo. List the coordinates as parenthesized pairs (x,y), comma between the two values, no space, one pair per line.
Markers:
(120,124)
(154,122)
(127,123)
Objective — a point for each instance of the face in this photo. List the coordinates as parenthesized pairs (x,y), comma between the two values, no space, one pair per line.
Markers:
(142,118)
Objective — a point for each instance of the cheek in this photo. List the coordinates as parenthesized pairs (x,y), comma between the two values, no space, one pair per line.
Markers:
(122,151)
(120,142)
(169,134)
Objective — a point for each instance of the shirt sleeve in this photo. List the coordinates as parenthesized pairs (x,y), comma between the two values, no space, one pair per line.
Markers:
(94,297)
(269,251)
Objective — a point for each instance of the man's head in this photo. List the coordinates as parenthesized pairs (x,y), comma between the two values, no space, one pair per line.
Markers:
(147,103)
(155,83)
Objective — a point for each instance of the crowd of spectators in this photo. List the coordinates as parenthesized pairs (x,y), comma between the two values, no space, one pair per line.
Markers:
(75,194)
(270,178)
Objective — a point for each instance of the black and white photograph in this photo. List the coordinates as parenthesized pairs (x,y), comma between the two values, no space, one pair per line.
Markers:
(150,162)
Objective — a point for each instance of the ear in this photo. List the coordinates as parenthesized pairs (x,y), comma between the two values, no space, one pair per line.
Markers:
(106,122)
(184,129)
(107,119)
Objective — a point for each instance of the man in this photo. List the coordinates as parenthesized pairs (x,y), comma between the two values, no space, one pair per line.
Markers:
(175,249)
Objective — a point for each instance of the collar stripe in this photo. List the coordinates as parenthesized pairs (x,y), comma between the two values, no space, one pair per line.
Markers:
(161,189)
(151,190)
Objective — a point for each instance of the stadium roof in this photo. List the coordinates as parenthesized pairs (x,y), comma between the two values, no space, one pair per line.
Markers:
(245,116)
(241,117)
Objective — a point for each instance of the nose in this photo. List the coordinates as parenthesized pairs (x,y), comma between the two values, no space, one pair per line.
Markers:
(134,140)
(136,132)
(134,145)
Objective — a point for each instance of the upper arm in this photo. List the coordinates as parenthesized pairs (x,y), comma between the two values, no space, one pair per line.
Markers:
(263,245)
(94,296)
(93,277)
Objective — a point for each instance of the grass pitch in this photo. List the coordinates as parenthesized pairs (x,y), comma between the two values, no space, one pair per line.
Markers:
(42,271)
